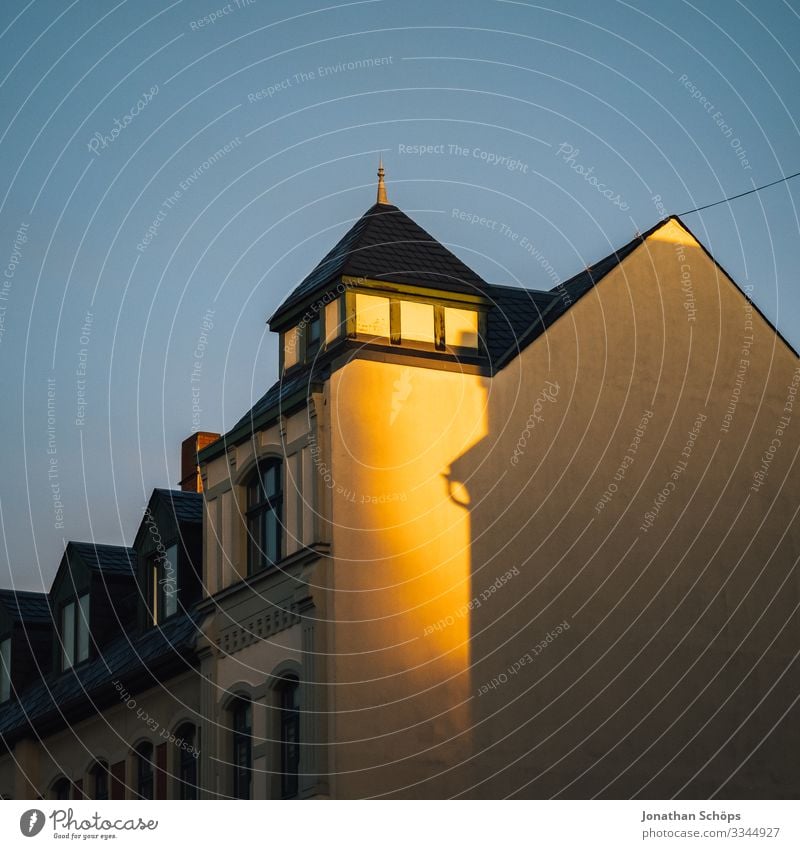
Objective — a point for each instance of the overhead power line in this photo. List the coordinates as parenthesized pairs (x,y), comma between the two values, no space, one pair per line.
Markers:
(743,194)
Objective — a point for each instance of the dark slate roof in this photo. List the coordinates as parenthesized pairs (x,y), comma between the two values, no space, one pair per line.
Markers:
(514,310)
(110,559)
(385,244)
(187,506)
(278,392)
(517,316)
(75,694)
(26,606)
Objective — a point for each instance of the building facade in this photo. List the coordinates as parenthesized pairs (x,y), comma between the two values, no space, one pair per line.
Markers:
(476,541)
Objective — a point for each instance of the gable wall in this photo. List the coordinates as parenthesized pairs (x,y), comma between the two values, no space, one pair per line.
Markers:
(707,579)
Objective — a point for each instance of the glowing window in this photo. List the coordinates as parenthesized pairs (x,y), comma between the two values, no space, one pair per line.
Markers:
(333,326)
(372,315)
(290,353)
(460,328)
(416,322)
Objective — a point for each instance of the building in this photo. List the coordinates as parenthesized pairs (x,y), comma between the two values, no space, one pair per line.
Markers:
(475,541)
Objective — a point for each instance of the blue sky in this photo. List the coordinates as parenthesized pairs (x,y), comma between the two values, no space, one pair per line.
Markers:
(686,102)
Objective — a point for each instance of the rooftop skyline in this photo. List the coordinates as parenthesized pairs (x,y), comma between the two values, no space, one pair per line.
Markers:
(171,176)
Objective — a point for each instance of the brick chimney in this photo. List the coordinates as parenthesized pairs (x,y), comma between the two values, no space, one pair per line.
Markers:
(190,470)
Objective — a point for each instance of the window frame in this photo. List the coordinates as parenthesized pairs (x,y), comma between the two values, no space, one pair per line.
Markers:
(59,786)
(396,339)
(241,718)
(156,584)
(100,769)
(6,688)
(311,347)
(289,721)
(333,333)
(145,778)
(186,770)
(258,559)
(80,617)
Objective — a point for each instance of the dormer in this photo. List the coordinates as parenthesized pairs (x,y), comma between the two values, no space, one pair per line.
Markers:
(169,552)
(26,631)
(387,287)
(93,599)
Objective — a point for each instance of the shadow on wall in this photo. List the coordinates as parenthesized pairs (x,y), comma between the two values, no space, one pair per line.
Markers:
(633,611)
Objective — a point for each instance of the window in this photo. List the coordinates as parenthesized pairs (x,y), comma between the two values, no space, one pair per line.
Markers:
(264,509)
(333,323)
(289,735)
(5,670)
(144,770)
(61,789)
(416,322)
(83,628)
(242,722)
(460,328)
(187,761)
(68,635)
(290,352)
(99,779)
(372,315)
(75,632)
(313,335)
(164,584)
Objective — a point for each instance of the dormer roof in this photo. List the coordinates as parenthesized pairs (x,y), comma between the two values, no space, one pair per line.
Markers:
(385,245)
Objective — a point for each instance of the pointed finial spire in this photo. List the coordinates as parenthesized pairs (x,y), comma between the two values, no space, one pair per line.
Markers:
(381,187)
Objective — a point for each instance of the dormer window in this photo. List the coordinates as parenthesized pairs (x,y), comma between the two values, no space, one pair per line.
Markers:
(74,632)
(164,584)
(460,328)
(5,669)
(333,320)
(415,323)
(313,337)
(373,315)
(291,354)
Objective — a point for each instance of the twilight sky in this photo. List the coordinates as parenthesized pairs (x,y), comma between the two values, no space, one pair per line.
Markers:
(171,171)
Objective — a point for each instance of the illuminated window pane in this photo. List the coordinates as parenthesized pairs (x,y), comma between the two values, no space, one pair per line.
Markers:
(372,315)
(333,329)
(290,353)
(460,328)
(416,322)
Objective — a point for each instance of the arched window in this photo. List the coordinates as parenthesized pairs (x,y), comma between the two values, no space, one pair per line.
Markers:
(289,694)
(242,761)
(186,740)
(144,770)
(99,780)
(61,788)
(264,515)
